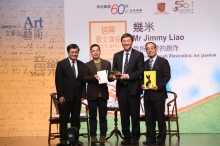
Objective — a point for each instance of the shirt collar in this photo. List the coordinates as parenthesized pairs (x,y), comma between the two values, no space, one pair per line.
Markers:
(129,52)
(71,61)
(155,57)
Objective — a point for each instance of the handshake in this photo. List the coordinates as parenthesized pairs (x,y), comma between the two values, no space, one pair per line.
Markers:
(114,74)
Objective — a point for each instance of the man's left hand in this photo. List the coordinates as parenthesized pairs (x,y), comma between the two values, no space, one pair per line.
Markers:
(124,76)
(155,88)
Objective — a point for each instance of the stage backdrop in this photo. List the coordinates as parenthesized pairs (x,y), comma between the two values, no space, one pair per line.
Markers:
(186,33)
(34,36)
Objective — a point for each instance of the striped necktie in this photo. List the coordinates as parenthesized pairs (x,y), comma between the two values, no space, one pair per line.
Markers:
(151,64)
(126,63)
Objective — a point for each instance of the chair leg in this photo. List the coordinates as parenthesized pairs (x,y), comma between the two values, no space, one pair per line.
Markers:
(177,127)
(169,130)
(88,129)
(49,132)
(58,129)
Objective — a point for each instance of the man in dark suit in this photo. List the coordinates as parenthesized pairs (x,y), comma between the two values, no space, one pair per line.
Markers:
(97,94)
(128,88)
(70,90)
(154,99)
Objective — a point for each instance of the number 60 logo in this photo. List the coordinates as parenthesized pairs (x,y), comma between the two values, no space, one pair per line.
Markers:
(120,9)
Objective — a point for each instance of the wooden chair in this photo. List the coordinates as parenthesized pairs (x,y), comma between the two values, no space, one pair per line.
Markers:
(54,119)
(171,115)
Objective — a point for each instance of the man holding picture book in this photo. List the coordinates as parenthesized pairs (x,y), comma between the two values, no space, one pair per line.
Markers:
(96,75)
(155,77)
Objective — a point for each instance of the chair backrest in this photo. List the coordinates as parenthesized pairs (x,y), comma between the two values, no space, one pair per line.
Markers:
(171,104)
(54,119)
(55,101)
(86,107)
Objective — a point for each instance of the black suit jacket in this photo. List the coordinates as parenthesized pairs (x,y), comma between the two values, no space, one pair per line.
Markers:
(94,88)
(135,71)
(66,84)
(162,68)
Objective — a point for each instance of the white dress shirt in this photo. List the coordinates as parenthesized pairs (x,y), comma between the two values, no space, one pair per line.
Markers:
(154,59)
(124,56)
(75,65)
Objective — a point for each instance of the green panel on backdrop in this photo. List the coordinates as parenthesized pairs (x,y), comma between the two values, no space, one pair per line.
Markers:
(201,119)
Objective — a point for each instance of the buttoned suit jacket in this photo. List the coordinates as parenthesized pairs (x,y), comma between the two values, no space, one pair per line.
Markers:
(162,68)
(135,71)
(66,84)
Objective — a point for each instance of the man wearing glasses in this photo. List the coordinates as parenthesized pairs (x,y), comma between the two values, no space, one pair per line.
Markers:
(70,90)
(154,99)
(97,94)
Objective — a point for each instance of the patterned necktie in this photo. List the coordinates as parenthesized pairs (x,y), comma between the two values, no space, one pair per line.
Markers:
(74,70)
(126,63)
(151,64)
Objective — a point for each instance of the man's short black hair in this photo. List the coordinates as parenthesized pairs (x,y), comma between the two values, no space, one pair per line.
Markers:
(126,35)
(155,46)
(94,45)
(72,46)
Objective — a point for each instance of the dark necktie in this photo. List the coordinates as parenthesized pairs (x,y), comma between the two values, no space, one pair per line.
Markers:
(126,63)
(151,64)
(74,70)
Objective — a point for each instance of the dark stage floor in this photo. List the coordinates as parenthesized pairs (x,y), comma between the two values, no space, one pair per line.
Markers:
(185,140)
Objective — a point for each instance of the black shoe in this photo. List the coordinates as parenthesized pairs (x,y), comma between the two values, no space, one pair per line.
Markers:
(134,142)
(160,142)
(125,142)
(148,143)
(79,143)
(62,143)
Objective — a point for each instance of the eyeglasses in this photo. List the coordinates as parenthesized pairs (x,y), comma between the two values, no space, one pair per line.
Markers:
(149,49)
(93,51)
(74,52)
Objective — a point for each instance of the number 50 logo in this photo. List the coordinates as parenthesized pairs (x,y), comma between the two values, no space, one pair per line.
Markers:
(118,9)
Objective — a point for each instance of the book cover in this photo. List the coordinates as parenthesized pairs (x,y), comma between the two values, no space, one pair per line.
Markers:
(150,79)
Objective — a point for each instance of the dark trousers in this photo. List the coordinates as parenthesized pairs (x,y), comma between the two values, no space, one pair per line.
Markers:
(65,109)
(129,106)
(152,109)
(101,104)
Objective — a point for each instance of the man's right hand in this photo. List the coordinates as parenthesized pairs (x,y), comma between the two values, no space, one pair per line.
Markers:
(97,77)
(61,100)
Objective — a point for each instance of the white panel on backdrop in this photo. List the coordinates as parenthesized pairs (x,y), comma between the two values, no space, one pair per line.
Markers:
(186,31)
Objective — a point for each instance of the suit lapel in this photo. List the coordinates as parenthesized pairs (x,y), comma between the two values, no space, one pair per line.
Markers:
(93,67)
(79,67)
(147,65)
(67,62)
(121,60)
(102,65)
(155,63)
